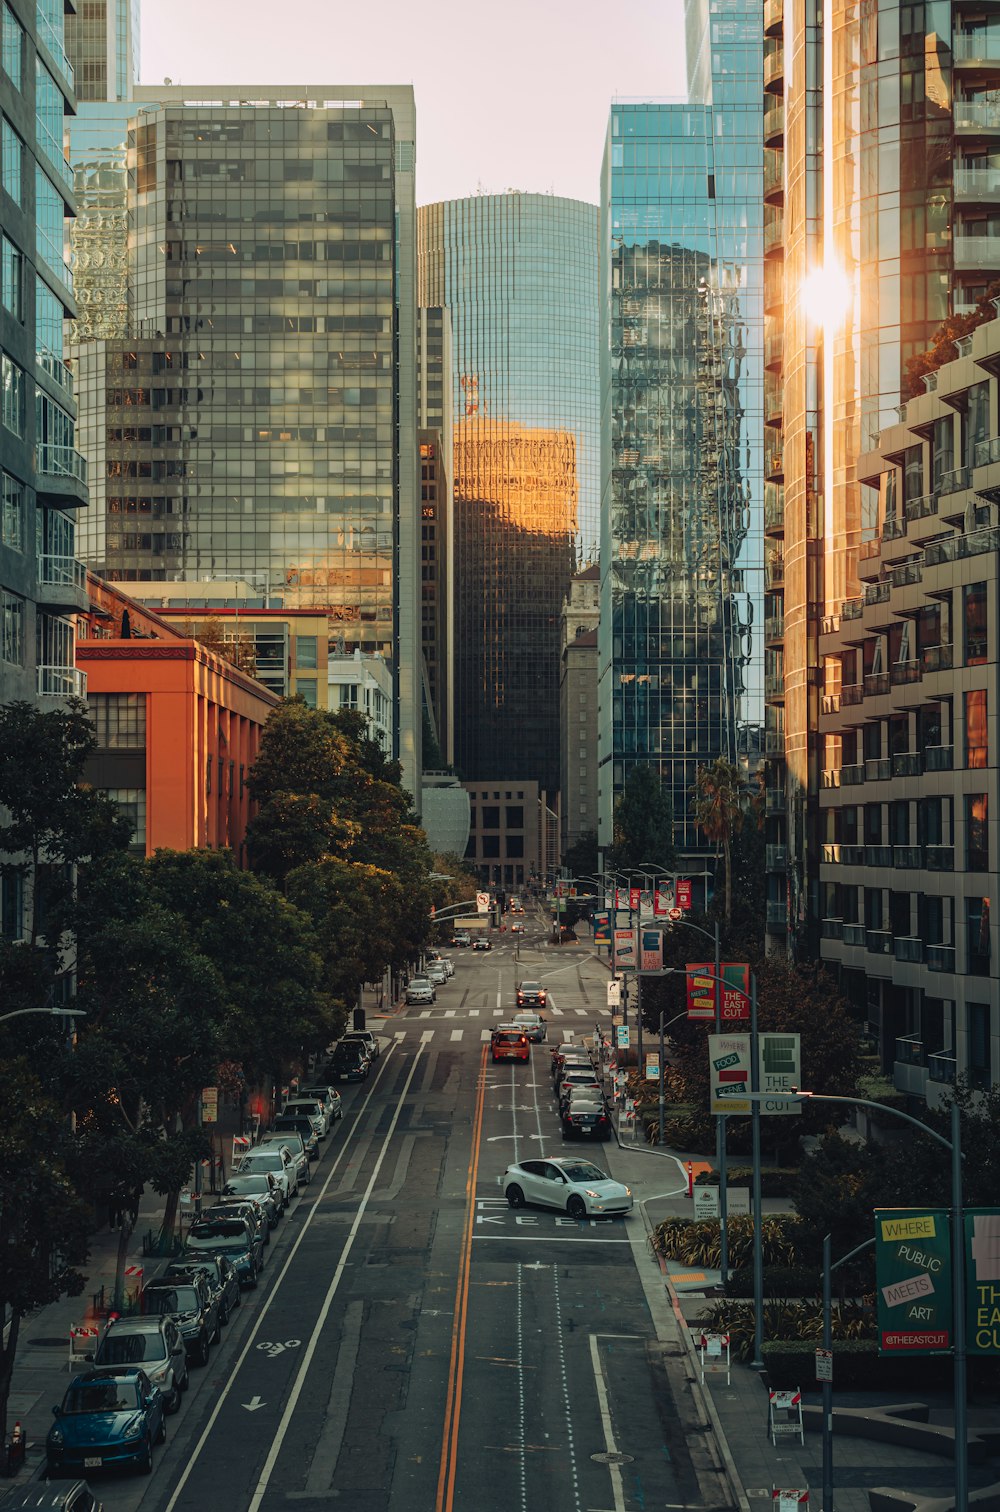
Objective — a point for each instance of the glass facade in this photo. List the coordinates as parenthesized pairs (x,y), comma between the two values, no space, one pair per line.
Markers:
(102,40)
(682,591)
(518,274)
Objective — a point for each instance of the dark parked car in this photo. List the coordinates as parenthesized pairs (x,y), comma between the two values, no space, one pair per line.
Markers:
(349,1062)
(220,1274)
(232,1237)
(107,1418)
(292,1123)
(363,1037)
(586,1118)
(193,1306)
(153,1344)
(77,1497)
(246,1207)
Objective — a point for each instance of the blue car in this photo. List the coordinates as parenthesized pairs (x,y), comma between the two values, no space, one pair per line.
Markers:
(108,1417)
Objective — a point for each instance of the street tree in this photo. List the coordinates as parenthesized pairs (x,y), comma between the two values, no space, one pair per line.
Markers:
(358,912)
(720,802)
(643,822)
(581,859)
(43,1221)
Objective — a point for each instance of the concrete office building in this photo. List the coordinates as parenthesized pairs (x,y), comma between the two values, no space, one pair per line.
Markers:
(681,659)
(518,275)
(908,738)
(42,474)
(258,418)
(513,832)
(578,707)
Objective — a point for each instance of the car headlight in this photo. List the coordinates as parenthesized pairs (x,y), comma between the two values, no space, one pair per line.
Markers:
(55,1435)
(589,1193)
(628,1191)
(135,1435)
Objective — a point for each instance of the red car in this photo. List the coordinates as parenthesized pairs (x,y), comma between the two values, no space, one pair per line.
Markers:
(510,1043)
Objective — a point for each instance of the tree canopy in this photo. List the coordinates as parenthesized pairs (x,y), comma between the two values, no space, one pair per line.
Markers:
(643,823)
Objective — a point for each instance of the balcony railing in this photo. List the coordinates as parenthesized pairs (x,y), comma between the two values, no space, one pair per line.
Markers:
(939,758)
(979,183)
(774,742)
(61,572)
(919,509)
(979,46)
(878,855)
(878,768)
(854,934)
(907,855)
(906,672)
(777,914)
(774,800)
(876,593)
(987,451)
(61,682)
(774,160)
(956,547)
(876,683)
(54,42)
(774,627)
(54,152)
(975,252)
(893,529)
(937,658)
(773,15)
(56,369)
(904,574)
(830,853)
(910,1050)
(878,941)
(776,857)
(774,350)
(774,464)
(850,776)
(977,115)
(774,570)
(958,478)
(907,764)
(907,948)
(61,462)
(832,929)
(851,693)
(852,855)
(830,777)
(774,507)
(940,957)
(942,1067)
(830,703)
(939,858)
(852,608)
(774,121)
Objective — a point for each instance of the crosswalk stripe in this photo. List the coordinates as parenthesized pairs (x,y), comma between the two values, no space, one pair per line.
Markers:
(473,1012)
(497,1012)
(449,1013)
(484,1035)
(557,1011)
(456,1034)
(424,1013)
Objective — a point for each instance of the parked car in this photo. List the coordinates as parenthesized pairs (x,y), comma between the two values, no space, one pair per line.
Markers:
(278,1160)
(311,1108)
(482,943)
(576,1078)
(302,1128)
(420,990)
(243,1207)
(363,1037)
(533,1025)
(153,1344)
(193,1306)
(349,1062)
(569,1058)
(265,1187)
(220,1274)
(292,1141)
(328,1096)
(575,1187)
(436,973)
(107,1418)
(77,1497)
(231,1236)
(531,995)
(508,1042)
(586,1118)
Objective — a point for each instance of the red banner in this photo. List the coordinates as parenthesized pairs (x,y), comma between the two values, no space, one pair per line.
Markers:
(662,902)
(634,897)
(683,893)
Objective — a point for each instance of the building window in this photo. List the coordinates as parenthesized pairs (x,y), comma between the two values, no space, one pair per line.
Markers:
(50,220)
(11,904)
(131,804)
(305,687)
(491,847)
(12,279)
(12,163)
(515,845)
(13,48)
(12,397)
(977,936)
(12,610)
(348,695)
(119,719)
(974,603)
(12,514)
(491,819)
(305,651)
(514,818)
(976,742)
(977,849)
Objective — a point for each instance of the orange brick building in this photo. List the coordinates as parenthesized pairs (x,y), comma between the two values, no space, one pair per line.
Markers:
(178,727)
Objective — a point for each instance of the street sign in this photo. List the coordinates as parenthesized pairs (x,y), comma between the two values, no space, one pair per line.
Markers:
(729,1070)
(673,914)
(209,1105)
(651,952)
(737,1202)
(482,902)
(614,994)
(780,1070)
(652,1068)
(705,1202)
(616,1019)
(824,1364)
(625,950)
(913,1280)
(621,1036)
(784,1418)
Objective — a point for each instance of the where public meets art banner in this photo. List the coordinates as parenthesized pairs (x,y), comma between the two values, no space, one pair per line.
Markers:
(913,1268)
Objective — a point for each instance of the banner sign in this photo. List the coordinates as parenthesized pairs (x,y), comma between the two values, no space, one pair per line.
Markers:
(913,1280)
(780,1069)
(621,897)
(634,897)
(982,1280)
(482,902)
(663,901)
(683,893)
(602,927)
(729,1071)
(735,1004)
(651,953)
(624,944)
(701,990)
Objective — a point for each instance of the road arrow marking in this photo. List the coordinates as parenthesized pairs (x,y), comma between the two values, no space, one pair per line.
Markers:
(253,1404)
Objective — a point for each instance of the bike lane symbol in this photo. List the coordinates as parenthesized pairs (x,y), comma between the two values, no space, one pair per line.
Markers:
(277,1348)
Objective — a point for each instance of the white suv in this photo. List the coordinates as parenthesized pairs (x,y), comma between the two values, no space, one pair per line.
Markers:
(279,1161)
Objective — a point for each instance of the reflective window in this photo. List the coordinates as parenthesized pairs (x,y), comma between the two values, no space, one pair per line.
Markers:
(12,279)
(12,516)
(12,610)
(11,395)
(12,172)
(13,47)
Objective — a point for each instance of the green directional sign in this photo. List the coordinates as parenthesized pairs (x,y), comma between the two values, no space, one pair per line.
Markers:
(913,1280)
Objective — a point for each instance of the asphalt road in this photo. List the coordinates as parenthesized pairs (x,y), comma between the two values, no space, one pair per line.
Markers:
(415,1346)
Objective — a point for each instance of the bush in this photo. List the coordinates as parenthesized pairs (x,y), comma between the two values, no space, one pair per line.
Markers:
(783,1321)
(779,1281)
(699,1243)
(775,1181)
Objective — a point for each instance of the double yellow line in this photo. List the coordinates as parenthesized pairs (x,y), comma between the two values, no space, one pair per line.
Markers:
(456,1369)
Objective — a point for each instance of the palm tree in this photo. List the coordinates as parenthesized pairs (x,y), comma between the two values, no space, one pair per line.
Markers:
(719,799)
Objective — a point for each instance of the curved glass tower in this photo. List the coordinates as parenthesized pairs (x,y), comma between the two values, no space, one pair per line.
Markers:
(518,273)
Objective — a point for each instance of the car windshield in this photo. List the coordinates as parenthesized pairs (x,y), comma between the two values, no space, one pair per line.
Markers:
(582,1170)
(102,1396)
(216,1229)
(294,1125)
(531,986)
(509,1039)
(247,1184)
(161,1300)
(304,1107)
(260,1162)
(131,1348)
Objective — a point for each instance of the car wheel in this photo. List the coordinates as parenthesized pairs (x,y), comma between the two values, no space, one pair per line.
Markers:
(185,1380)
(515,1197)
(161,1437)
(217,1334)
(223,1313)
(144,1465)
(174,1399)
(576,1207)
(201,1353)
(252,1283)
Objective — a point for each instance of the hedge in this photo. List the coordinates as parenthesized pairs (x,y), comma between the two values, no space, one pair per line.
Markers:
(779,1281)
(775,1181)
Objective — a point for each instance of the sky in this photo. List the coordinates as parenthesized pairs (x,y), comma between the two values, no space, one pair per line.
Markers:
(513,95)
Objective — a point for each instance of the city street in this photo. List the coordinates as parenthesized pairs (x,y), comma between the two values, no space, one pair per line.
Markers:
(415,1343)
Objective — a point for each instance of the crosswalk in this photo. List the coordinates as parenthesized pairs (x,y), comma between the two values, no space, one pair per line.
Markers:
(450,1013)
(455,1036)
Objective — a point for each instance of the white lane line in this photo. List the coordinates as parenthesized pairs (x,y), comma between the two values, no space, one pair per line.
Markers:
(542,1239)
(456,1035)
(499,987)
(400,1034)
(428,1034)
(568,1036)
(609,1436)
(521,1434)
(310,1349)
(497,1012)
(564,1380)
(255,1331)
(485,1036)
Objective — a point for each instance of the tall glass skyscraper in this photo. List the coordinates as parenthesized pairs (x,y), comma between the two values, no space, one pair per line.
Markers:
(102,39)
(681,656)
(518,273)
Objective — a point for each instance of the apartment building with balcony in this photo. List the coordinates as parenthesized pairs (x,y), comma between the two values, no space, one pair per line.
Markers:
(43,481)
(908,737)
